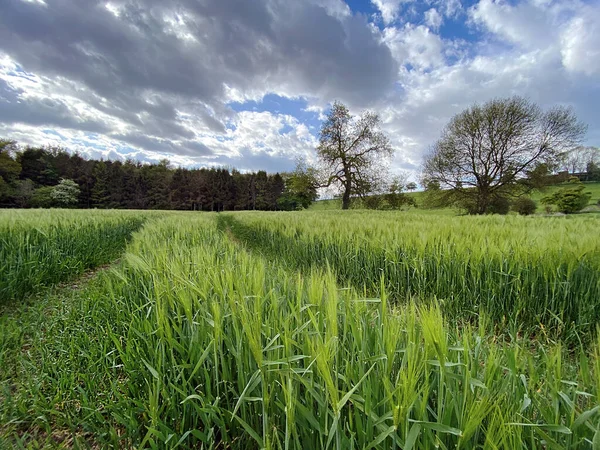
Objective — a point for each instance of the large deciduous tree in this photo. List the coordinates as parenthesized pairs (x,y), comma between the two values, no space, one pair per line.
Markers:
(353,151)
(485,151)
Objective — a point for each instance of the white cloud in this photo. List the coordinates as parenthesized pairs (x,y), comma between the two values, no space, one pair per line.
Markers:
(433,19)
(525,24)
(261,140)
(580,42)
(449,8)
(566,26)
(265,132)
(169,96)
(389,9)
(320,110)
(336,8)
(415,45)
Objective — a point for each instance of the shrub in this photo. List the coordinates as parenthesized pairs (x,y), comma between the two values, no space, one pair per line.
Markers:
(524,206)
(499,205)
(569,199)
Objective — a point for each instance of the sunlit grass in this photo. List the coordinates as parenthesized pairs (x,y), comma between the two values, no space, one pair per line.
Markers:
(537,273)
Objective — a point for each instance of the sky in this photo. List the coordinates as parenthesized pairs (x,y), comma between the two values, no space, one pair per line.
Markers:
(246,83)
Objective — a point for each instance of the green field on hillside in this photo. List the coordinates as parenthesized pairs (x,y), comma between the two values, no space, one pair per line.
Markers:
(314,329)
(592,187)
(537,195)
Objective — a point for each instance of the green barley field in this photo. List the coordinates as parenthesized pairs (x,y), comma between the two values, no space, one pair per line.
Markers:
(302,330)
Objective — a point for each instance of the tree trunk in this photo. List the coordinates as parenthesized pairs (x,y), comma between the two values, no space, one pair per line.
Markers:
(483,200)
(346,198)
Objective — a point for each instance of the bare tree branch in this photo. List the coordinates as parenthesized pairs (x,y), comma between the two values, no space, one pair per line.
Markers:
(353,152)
(490,148)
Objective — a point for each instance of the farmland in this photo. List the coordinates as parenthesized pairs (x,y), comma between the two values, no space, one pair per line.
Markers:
(42,247)
(314,329)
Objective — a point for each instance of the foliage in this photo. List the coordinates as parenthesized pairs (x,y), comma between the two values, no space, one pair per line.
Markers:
(485,151)
(9,168)
(4,188)
(539,177)
(397,200)
(389,201)
(300,188)
(38,165)
(9,172)
(570,199)
(393,199)
(498,205)
(195,342)
(434,197)
(593,171)
(353,151)
(411,186)
(23,193)
(65,193)
(42,197)
(525,206)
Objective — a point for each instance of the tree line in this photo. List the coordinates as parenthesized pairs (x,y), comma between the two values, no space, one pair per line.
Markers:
(54,177)
(488,158)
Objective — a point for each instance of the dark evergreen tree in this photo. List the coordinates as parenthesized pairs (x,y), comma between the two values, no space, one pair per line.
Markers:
(159,180)
(100,193)
(37,166)
(181,192)
(28,176)
(276,188)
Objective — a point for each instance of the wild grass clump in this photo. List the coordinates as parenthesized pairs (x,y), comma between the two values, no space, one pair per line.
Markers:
(194,342)
(537,274)
(43,247)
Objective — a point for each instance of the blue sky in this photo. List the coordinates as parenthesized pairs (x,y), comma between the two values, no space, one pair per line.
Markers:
(246,84)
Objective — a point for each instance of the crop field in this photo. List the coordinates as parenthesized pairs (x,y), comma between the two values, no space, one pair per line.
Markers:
(314,329)
(39,248)
(533,273)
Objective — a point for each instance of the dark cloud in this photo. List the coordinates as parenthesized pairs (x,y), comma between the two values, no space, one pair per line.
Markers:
(337,59)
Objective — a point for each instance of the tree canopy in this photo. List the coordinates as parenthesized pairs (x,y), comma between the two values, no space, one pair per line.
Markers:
(485,151)
(300,187)
(65,193)
(353,152)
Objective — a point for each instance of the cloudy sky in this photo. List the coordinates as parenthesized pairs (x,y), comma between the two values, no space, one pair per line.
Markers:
(244,83)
